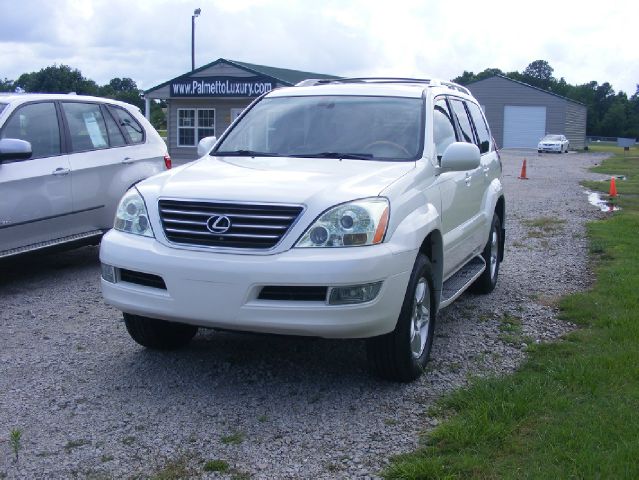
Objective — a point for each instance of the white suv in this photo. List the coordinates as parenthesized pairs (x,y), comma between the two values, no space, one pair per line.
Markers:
(352,208)
(65,162)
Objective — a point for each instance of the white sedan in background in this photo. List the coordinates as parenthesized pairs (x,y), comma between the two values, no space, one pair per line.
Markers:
(553,143)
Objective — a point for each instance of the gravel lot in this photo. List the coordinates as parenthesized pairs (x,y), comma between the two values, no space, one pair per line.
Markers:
(93,404)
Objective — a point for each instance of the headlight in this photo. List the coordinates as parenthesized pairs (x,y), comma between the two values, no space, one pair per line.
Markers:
(131,216)
(362,222)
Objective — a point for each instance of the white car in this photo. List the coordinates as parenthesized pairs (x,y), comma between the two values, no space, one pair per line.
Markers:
(553,143)
(351,208)
(65,162)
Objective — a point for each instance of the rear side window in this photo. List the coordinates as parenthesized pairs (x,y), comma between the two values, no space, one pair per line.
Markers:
(480,127)
(463,121)
(116,138)
(130,125)
(37,123)
(86,126)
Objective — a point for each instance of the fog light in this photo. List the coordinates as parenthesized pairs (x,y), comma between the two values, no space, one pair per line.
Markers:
(354,294)
(108,273)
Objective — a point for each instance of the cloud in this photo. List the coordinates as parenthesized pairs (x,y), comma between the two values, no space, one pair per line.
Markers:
(150,41)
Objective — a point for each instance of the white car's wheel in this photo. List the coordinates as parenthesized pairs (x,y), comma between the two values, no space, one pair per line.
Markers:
(401,355)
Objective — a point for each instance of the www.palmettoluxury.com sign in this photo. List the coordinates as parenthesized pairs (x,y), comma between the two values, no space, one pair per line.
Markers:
(221,87)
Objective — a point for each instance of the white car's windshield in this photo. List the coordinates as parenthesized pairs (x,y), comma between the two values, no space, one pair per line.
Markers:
(552,138)
(360,127)
(2,105)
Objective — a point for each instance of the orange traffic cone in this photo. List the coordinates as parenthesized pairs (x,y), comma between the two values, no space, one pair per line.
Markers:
(523,171)
(613,188)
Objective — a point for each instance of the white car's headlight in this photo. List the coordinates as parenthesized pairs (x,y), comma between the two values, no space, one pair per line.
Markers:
(357,223)
(131,215)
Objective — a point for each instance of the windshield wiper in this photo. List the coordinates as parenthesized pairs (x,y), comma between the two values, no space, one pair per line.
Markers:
(245,153)
(341,155)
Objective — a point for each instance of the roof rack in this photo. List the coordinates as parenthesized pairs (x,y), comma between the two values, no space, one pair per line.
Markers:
(427,81)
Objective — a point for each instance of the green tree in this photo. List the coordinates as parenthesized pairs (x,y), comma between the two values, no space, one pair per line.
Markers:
(539,74)
(7,85)
(123,89)
(57,79)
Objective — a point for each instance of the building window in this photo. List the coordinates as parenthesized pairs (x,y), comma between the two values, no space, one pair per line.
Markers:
(194,124)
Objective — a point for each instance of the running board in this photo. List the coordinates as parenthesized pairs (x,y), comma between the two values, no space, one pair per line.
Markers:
(458,283)
(51,243)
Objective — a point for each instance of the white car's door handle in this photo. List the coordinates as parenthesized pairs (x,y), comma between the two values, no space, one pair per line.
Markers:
(61,171)
(127,160)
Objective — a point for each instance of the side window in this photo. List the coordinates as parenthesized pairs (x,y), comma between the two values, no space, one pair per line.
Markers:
(443,127)
(36,123)
(131,126)
(86,126)
(116,139)
(186,127)
(480,127)
(194,125)
(462,120)
(205,123)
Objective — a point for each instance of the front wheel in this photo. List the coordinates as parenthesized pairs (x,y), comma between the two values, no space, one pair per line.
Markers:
(158,334)
(491,255)
(402,354)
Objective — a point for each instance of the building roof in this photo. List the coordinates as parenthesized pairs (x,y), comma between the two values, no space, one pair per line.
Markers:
(280,75)
(529,86)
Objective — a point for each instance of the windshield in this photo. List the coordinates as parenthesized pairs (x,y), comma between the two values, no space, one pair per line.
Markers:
(2,105)
(552,137)
(380,128)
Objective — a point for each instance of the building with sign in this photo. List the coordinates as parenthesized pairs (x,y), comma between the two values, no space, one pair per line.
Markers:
(204,102)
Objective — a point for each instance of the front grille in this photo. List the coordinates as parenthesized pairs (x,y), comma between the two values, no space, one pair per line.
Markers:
(294,293)
(251,226)
(139,278)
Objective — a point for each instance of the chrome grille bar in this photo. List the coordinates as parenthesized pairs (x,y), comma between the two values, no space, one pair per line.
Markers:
(260,226)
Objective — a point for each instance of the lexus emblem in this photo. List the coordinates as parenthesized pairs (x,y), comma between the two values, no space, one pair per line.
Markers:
(218,224)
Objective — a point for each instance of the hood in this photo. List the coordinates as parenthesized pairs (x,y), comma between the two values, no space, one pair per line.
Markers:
(276,180)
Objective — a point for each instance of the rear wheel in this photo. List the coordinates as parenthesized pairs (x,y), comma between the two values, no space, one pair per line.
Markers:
(158,334)
(491,254)
(402,354)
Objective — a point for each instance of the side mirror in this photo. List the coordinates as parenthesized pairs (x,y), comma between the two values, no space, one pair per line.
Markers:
(14,149)
(205,146)
(460,157)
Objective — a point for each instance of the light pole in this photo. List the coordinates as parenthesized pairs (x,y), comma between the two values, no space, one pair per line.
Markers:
(196,13)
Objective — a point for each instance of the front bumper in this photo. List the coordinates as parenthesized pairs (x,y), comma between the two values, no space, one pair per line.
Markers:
(220,290)
(549,148)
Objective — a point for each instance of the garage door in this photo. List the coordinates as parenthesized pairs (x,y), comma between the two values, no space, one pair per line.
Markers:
(523,126)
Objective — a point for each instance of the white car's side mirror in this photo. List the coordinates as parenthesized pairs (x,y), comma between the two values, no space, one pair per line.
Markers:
(14,149)
(205,146)
(460,156)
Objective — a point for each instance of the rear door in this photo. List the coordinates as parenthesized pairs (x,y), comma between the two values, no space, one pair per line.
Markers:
(35,199)
(98,154)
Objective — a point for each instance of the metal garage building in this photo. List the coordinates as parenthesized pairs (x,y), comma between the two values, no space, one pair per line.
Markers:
(205,101)
(520,114)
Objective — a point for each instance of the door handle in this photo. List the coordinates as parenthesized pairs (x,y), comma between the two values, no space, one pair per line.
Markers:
(61,171)
(127,160)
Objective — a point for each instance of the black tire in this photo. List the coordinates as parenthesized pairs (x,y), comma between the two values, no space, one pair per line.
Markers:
(158,334)
(400,355)
(492,253)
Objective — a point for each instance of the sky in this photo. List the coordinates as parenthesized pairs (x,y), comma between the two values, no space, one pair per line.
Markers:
(150,40)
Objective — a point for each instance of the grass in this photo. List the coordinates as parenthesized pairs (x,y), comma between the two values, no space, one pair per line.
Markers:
(572,409)
(15,440)
(233,439)
(544,226)
(216,466)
